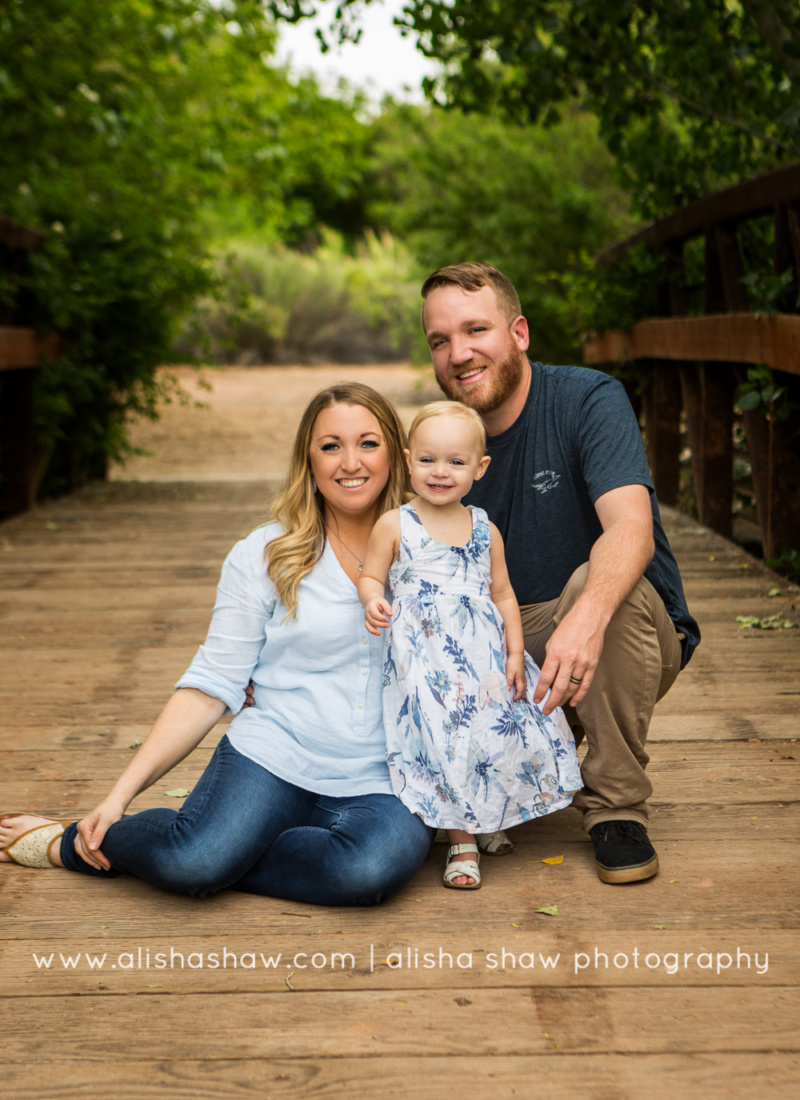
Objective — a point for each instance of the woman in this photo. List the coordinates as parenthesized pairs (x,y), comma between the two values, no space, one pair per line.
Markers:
(296,801)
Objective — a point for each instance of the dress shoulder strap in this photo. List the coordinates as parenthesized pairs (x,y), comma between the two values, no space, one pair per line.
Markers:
(481,534)
(412,533)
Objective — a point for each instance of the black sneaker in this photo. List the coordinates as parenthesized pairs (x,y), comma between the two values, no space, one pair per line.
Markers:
(623,851)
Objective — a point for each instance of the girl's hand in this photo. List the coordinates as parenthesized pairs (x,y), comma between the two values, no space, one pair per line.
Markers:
(376,614)
(91,831)
(515,675)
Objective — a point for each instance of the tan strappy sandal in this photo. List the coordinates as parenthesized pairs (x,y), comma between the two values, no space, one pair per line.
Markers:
(32,849)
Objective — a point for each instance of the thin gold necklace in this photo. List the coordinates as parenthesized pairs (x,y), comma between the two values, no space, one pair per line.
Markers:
(347,548)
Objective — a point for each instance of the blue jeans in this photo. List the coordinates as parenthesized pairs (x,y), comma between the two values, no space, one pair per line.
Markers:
(242,827)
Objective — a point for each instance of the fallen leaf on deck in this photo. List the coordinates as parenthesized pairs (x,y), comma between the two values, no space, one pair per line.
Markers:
(553,859)
(549,910)
(769,622)
(179,792)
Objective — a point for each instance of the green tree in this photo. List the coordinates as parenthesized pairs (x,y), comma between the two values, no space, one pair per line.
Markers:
(530,199)
(121,125)
(690,94)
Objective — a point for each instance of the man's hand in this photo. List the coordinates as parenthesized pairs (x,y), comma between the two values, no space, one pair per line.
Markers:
(617,561)
(249,696)
(573,652)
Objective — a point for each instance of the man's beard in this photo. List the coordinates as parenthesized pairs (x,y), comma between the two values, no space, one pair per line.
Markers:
(505,376)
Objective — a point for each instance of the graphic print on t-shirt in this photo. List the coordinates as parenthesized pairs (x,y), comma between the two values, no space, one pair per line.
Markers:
(545,480)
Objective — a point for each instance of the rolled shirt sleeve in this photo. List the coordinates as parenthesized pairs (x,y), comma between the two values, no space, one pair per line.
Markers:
(245,603)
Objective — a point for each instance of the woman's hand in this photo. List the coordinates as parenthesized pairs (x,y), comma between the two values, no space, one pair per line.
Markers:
(377,611)
(91,831)
(515,674)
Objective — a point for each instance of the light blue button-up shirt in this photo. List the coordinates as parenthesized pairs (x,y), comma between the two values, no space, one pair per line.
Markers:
(318,718)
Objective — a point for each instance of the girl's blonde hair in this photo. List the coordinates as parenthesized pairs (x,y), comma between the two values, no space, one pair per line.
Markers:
(454,409)
(299,507)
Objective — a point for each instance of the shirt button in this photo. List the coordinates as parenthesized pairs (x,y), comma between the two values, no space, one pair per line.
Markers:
(361,703)
(364,641)
(364,671)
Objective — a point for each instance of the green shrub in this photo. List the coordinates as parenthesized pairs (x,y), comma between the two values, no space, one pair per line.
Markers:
(274,305)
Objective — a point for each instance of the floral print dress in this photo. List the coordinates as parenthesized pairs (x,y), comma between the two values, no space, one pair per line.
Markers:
(461,753)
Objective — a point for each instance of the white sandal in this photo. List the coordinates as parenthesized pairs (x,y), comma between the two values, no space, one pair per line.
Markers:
(32,849)
(462,867)
(491,843)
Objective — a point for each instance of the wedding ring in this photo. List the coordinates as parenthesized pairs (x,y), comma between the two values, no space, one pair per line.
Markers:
(572,680)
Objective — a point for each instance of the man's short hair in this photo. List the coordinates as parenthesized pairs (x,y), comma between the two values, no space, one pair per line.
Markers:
(472,277)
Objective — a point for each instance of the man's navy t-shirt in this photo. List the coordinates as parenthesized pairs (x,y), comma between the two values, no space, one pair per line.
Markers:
(576,438)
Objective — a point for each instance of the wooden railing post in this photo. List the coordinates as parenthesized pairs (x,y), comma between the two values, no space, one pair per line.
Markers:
(21,350)
(786,254)
(19,443)
(691,392)
(782,528)
(713,352)
(717,392)
(662,418)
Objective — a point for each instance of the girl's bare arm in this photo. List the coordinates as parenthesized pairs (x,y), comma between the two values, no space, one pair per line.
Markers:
(506,603)
(381,552)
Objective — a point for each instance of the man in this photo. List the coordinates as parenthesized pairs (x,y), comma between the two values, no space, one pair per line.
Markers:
(600,593)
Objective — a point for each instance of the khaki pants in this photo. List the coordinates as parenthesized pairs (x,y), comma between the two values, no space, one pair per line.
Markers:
(639,664)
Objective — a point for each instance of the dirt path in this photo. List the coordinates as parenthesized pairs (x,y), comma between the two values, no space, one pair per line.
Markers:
(245,428)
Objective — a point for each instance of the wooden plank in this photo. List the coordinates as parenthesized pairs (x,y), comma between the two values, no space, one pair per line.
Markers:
(681,780)
(729,1074)
(15,236)
(724,337)
(744,200)
(92,627)
(22,348)
(77,961)
(75,763)
(717,724)
(704,883)
(535,1021)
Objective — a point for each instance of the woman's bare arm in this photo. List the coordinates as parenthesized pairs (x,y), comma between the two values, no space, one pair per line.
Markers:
(181,726)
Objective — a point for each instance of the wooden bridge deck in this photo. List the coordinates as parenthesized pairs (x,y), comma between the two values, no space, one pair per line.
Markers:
(684,984)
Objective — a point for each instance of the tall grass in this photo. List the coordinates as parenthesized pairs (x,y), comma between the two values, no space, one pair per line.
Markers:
(273,305)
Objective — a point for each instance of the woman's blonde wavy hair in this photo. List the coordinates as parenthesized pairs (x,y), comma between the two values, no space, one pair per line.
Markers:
(298,507)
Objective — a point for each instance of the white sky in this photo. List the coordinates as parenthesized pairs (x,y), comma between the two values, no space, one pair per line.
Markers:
(382,62)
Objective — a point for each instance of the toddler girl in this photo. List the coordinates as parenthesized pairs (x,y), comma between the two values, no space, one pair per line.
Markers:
(468,749)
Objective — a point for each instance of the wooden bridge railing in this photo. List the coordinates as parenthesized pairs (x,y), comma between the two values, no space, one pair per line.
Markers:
(698,362)
(21,350)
